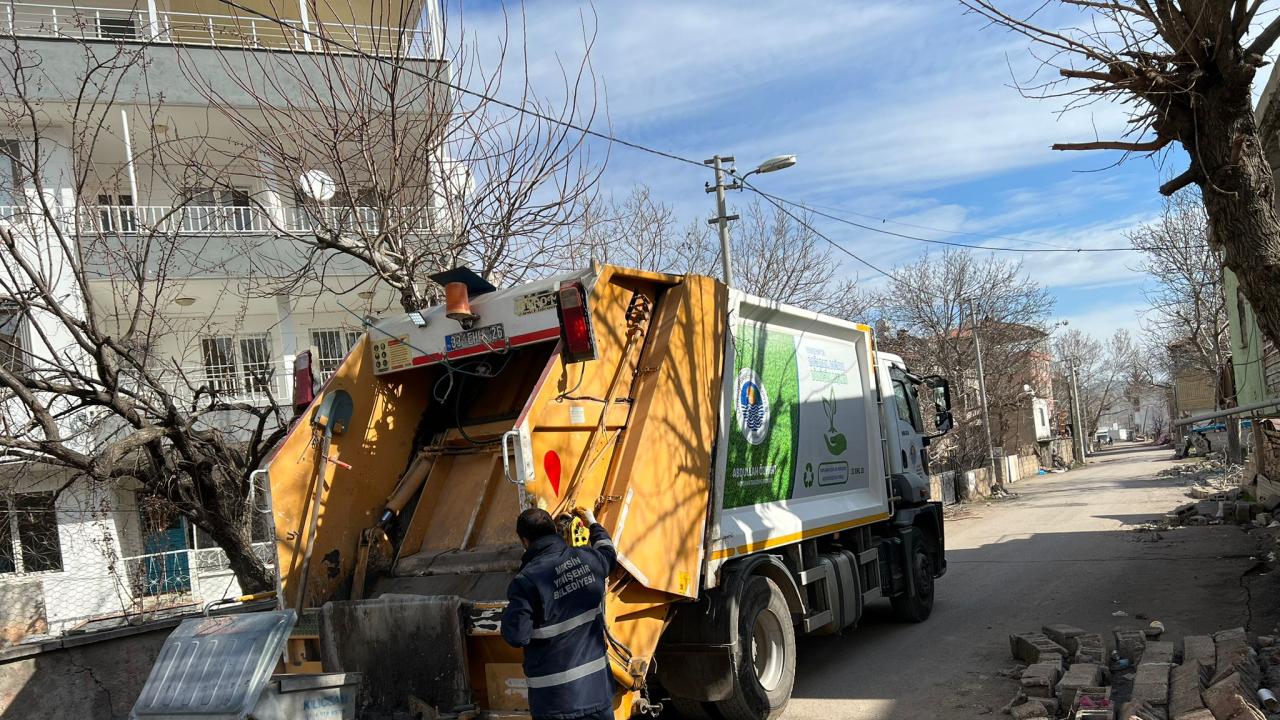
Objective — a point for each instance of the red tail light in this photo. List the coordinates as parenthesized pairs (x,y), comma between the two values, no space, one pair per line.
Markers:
(304,388)
(575,324)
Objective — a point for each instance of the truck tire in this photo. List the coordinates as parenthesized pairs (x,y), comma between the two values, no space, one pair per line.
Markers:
(690,709)
(916,606)
(764,655)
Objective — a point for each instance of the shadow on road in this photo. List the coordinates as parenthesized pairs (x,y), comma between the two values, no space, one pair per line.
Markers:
(947,667)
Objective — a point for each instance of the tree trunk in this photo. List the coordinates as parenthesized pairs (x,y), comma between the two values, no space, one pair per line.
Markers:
(1238,192)
(250,571)
(1235,453)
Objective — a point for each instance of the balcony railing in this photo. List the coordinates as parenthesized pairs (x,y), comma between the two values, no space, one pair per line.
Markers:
(158,579)
(231,220)
(235,382)
(242,382)
(183,28)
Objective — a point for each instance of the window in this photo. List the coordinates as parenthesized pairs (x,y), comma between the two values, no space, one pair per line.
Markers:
(10,182)
(125,27)
(234,365)
(29,534)
(13,353)
(904,392)
(116,213)
(219,363)
(346,210)
(255,363)
(332,345)
(218,209)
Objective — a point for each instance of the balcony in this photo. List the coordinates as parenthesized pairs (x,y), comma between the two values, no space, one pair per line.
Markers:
(202,220)
(136,24)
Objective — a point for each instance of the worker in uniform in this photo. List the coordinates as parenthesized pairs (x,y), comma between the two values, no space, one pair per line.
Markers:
(555,612)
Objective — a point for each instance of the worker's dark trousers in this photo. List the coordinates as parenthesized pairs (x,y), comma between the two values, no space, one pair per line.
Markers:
(606,714)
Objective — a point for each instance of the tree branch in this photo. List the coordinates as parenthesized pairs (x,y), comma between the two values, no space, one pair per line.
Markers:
(1151,146)
(1188,176)
(1265,40)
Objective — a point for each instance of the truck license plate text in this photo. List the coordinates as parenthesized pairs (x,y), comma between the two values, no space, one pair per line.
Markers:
(487,335)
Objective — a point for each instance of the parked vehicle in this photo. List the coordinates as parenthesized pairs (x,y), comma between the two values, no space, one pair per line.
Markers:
(761,469)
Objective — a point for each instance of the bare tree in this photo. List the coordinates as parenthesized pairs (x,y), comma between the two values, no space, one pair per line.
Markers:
(637,230)
(928,315)
(1107,374)
(774,255)
(1185,68)
(781,257)
(89,392)
(1188,305)
(393,150)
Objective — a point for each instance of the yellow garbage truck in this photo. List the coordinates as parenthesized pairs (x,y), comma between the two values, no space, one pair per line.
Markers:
(761,469)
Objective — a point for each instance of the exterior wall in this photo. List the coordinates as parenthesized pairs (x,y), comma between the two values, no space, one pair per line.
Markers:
(976,484)
(63,61)
(92,681)
(106,566)
(1193,392)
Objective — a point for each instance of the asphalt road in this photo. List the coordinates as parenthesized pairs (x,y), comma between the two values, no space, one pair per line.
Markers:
(1069,549)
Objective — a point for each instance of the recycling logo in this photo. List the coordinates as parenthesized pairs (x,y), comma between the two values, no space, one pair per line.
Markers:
(752,407)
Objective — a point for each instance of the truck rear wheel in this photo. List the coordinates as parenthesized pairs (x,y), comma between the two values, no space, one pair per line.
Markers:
(917,604)
(765,654)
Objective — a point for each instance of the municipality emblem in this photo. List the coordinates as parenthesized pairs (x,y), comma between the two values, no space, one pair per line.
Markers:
(752,407)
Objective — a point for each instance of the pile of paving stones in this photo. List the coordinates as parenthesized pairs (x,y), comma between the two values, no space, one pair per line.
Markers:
(1066,673)
(1218,499)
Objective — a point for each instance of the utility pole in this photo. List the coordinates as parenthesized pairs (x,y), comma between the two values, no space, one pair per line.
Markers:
(722,218)
(982,395)
(1077,421)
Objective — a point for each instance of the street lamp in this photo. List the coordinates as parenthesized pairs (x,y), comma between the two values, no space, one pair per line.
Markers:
(722,218)
(773,164)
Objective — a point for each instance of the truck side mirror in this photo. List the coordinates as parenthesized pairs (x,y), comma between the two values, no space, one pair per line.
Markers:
(942,419)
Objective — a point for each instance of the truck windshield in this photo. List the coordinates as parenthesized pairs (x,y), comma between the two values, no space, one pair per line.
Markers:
(905,394)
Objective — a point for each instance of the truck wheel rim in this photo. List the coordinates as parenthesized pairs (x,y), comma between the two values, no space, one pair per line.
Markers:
(767,650)
(924,574)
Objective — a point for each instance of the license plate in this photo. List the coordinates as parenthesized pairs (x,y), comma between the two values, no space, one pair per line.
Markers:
(492,335)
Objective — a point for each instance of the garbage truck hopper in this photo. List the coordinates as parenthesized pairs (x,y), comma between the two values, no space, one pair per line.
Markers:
(599,387)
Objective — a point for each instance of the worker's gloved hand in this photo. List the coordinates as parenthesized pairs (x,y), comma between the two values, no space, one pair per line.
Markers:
(585,515)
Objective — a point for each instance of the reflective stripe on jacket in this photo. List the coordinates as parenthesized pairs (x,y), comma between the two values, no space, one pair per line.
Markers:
(555,612)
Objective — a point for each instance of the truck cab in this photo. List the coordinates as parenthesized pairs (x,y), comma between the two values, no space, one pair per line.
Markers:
(903,420)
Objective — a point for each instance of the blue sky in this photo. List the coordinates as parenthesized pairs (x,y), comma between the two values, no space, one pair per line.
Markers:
(897,110)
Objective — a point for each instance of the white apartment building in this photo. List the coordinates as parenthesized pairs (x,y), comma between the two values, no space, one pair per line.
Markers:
(71,552)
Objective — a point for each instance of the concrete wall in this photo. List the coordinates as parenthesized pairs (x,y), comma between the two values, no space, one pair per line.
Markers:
(87,678)
(976,484)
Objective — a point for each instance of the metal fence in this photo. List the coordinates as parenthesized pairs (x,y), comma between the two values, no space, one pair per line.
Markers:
(228,220)
(130,24)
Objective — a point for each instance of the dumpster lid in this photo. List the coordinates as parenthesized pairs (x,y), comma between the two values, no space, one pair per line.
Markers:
(214,667)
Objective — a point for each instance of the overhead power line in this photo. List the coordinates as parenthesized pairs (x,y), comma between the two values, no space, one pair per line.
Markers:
(776,201)
(905,236)
(458,88)
(930,228)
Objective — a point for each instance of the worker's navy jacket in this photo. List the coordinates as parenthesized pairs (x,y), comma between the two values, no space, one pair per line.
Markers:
(555,611)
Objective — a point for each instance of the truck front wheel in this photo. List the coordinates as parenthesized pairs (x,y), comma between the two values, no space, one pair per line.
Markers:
(765,654)
(917,604)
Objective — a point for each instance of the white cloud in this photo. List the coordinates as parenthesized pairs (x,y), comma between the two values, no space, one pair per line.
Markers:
(1103,318)
(894,109)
